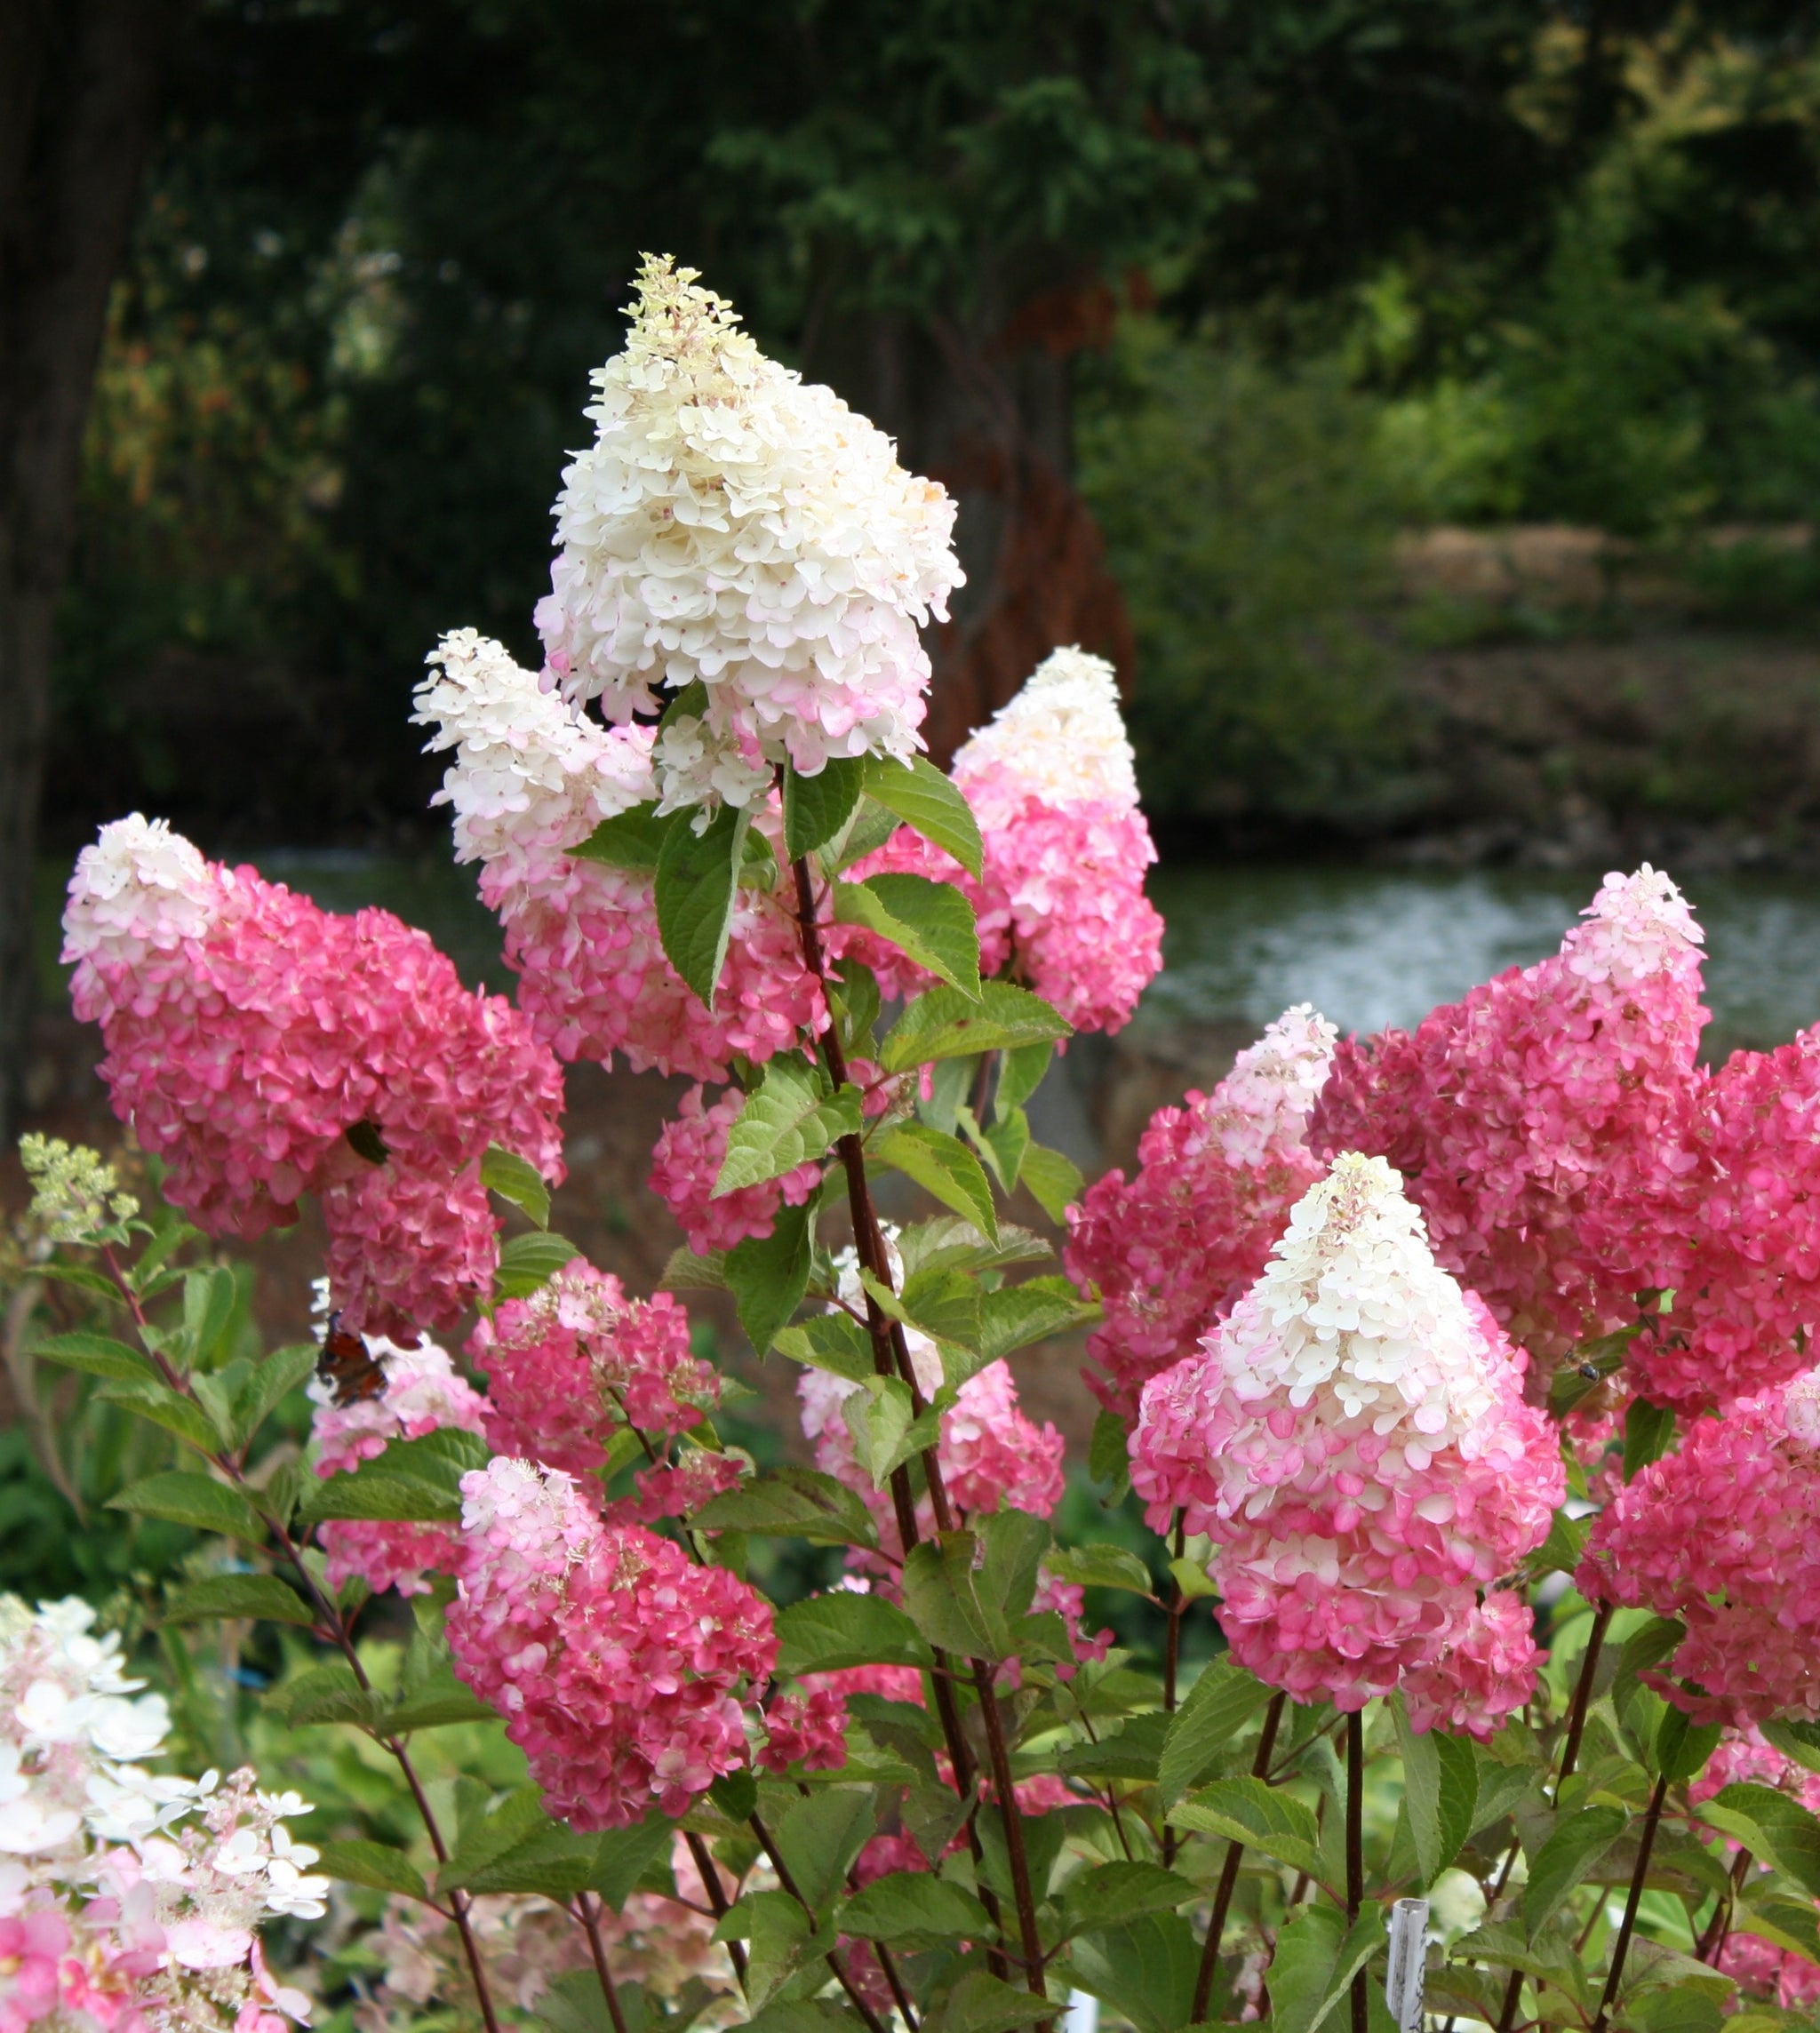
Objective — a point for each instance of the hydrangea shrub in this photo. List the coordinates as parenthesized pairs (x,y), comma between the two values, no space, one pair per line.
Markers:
(1463,1379)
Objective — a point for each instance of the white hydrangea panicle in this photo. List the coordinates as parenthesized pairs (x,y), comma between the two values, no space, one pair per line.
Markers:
(138,889)
(734,525)
(528,773)
(1061,740)
(1637,926)
(1263,1105)
(1354,1317)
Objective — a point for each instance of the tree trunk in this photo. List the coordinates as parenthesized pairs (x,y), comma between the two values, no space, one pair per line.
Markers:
(987,413)
(78,97)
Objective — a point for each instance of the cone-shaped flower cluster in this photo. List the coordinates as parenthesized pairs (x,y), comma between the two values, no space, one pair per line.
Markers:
(422,1394)
(265,1048)
(577,1360)
(616,1661)
(1725,1536)
(128,1901)
(687,1162)
(737,528)
(1062,905)
(530,782)
(1542,1118)
(1354,1440)
(1173,1248)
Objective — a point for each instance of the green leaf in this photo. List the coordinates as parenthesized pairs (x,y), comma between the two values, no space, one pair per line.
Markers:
(913,1909)
(980,2003)
(945,1304)
(324,1694)
(263,1596)
(1054,1181)
(1145,1969)
(1261,1817)
(1579,1840)
(1681,1749)
(622,1856)
(941,1166)
(195,1500)
(945,1024)
(527,1264)
(269,1384)
(1012,1543)
(792,1502)
(1108,1452)
(940,1595)
(1116,1893)
(833,1341)
(929,923)
(1440,1789)
(373,1865)
(1006,1142)
(169,1409)
(439,1702)
(1566,1542)
(631,840)
(787,1120)
(1021,1073)
(1648,1646)
(886,1432)
(929,803)
(820,1835)
(829,1632)
(95,1283)
(1015,1315)
(696,876)
(947,1243)
(551,1860)
(516,1179)
(210,1295)
(1773,1826)
(1324,1956)
(1647,1430)
(1100,1565)
(97,1355)
(816,807)
(1218,1706)
(768,1275)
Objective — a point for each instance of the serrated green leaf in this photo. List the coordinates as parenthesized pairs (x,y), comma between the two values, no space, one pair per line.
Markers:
(945,1602)
(1441,1791)
(79,1275)
(816,807)
(262,1596)
(631,840)
(527,1264)
(685,1272)
(885,1427)
(792,1502)
(373,1865)
(1579,1839)
(1647,1430)
(1054,1181)
(1114,1893)
(1263,1818)
(434,1704)
(1217,1706)
(833,1341)
(324,1694)
(1015,1315)
(1021,1072)
(820,1836)
(695,879)
(168,1409)
(949,1242)
(1774,1826)
(1146,1970)
(1099,1565)
(787,1120)
(941,1166)
(516,1179)
(929,923)
(1318,1971)
(768,1275)
(1648,1646)
(831,1631)
(981,2003)
(1006,1142)
(929,803)
(412,1481)
(1108,1458)
(97,1355)
(195,1500)
(269,1384)
(1566,1542)
(945,1024)
(914,1909)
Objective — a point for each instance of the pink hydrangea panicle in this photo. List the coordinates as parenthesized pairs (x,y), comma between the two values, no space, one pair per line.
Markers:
(735,526)
(576,1360)
(1052,783)
(1720,1534)
(265,1048)
(1170,1249)
(529,782)
(422,1394)
(617,1662)
(807,1729)
(1483,1677)
(1353,1439)
(1545,1121)
(687,1163)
